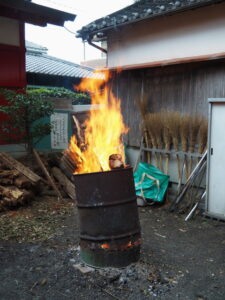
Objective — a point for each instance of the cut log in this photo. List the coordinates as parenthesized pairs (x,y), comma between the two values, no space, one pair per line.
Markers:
(14,164)
(49,178)
(9,174)
(22,182)
(6,181)
(66,184)
(12,196)
(67,164)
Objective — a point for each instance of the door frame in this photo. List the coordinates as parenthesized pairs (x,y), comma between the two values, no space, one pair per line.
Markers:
(211,101)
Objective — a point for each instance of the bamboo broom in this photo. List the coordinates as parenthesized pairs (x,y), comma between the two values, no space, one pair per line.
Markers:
(195,122)
(184,131)
(153,125)
(202,136)
(167,138)
(143,108)
(173,124)
(159,136)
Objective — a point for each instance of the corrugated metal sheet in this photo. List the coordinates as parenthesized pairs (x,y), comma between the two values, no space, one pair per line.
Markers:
(41,63)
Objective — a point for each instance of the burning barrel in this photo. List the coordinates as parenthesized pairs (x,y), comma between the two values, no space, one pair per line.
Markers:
(108,216)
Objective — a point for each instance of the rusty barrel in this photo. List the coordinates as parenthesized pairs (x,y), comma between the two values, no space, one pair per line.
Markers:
(108,218)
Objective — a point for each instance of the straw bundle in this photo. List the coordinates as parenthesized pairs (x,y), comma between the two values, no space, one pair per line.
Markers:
(171,130)
(184,135)
(184,132)
(154,127)
(151,123)
(167,138)
(202,136)
(142,104)
(195,122)
(173,124)
(166,135)
(143,107)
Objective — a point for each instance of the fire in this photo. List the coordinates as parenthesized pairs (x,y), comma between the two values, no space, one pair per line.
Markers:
(121,247)
(103,130)
(105,246)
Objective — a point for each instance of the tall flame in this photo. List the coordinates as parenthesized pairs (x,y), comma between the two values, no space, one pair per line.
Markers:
(103,129)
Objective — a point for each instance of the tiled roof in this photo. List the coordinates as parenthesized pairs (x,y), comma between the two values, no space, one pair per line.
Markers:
(143,9)
(37,61)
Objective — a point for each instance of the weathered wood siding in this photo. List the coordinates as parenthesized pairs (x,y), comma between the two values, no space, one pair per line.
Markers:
(185,88)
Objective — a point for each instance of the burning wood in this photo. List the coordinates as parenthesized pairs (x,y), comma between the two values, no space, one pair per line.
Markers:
(115,161)
(90,150)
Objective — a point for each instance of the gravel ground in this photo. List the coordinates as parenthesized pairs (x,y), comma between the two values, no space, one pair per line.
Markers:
(39,254)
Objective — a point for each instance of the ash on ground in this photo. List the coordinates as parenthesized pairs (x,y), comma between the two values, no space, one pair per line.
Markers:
(139,276)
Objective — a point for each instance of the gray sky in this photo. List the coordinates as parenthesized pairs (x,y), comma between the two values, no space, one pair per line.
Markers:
(60,42)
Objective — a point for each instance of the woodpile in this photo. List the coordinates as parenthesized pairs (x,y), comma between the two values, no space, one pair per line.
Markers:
(16,188)
(20,184)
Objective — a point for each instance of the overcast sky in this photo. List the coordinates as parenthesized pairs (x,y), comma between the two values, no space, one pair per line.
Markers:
(62,43)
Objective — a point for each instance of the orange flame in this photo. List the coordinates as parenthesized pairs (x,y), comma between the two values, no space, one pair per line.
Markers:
(105,246)
(103,130)
(121,247)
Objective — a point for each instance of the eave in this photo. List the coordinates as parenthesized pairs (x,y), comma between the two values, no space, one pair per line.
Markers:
(33,13)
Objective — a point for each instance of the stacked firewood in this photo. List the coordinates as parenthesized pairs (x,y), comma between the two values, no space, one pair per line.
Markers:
(20,184)
(15,188)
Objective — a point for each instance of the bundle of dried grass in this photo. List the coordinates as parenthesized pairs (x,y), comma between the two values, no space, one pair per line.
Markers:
(143,108)
(173,124)
(184,132)
(194,125)
(202,136)
(195,122)
(142,104)
(154,127)
(167,138)
(184,135)
(147,142)
(151,126)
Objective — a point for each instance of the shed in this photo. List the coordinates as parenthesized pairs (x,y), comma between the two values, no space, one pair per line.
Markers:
(171,52)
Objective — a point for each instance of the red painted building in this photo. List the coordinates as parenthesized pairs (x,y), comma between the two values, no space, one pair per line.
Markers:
(13,16)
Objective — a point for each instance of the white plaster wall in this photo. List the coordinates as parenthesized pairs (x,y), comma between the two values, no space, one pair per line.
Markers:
(9,32)
(199,32)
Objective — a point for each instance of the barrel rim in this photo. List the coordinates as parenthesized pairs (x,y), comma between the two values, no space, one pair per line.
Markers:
(101,172)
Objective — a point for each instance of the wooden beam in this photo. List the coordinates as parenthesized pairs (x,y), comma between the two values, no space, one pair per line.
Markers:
(14,164)
(67,185)
(49,178)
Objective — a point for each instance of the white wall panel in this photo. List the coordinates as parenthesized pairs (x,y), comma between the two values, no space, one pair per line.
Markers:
(194,33)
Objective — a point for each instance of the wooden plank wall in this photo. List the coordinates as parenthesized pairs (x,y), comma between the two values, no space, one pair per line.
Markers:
(185,88)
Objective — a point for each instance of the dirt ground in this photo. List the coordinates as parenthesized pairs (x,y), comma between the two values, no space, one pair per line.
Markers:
(39,251)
